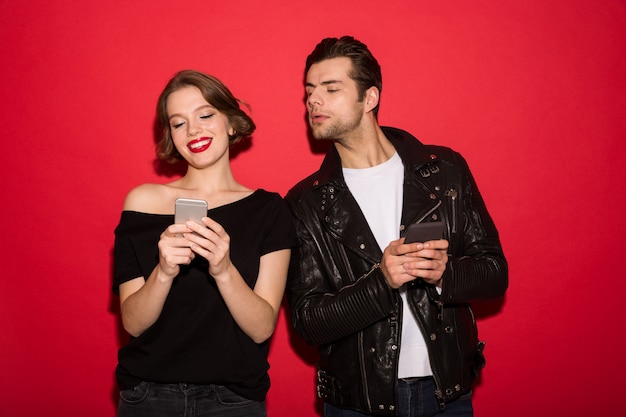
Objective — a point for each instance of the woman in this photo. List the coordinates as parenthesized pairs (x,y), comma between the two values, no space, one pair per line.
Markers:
(199,301)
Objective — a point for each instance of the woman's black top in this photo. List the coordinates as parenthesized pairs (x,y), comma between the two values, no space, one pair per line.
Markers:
(195,339)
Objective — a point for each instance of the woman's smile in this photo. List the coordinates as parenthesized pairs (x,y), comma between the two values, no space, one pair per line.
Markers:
(199,145)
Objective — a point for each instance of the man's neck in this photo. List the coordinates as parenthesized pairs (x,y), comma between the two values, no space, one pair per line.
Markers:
(365,148)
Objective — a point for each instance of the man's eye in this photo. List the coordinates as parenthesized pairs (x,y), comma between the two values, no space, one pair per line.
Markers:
(332,90)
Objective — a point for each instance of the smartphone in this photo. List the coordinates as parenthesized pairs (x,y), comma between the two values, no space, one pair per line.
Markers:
(423,232)
(190,209)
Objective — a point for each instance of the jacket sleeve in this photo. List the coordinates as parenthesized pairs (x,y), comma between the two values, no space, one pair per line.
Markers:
(477,268)
(322,308)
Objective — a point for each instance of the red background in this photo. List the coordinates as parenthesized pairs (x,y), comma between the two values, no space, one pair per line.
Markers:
(533,93)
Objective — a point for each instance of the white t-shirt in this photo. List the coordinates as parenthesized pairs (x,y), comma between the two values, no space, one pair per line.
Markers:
(378,190)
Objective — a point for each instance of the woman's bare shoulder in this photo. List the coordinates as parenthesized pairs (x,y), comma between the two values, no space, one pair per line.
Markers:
(150,198)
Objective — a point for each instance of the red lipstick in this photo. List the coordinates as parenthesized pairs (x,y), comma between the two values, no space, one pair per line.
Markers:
(199,145)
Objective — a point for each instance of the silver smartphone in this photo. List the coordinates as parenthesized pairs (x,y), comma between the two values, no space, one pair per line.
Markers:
(190,209)
(423,232)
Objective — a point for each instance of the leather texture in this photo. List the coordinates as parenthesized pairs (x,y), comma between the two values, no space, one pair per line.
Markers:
(340,301)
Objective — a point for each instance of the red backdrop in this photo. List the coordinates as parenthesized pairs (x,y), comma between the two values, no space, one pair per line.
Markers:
(532,93)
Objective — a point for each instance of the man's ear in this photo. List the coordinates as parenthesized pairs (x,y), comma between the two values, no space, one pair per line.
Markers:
(372,95)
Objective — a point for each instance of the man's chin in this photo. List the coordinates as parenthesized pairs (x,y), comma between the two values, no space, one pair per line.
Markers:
(320,135)
(320,138)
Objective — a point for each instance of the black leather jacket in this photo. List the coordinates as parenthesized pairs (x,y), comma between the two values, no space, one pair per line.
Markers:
(340,301)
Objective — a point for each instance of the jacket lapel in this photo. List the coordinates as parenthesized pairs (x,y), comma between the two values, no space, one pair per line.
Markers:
(340,214)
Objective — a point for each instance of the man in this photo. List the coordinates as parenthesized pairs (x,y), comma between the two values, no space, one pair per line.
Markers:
(392,320)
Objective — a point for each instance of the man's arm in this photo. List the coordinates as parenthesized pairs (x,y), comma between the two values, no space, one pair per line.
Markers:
(478,269)
(322,308)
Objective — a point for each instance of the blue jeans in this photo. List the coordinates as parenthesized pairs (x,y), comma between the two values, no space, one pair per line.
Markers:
(416,398)
(186,400)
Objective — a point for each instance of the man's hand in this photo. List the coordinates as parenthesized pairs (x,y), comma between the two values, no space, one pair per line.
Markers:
(402,263)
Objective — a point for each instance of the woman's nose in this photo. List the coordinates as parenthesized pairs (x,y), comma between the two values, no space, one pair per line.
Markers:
(193,129)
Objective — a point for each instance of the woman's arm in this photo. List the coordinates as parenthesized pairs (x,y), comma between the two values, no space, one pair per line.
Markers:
(142,300)
(254,310)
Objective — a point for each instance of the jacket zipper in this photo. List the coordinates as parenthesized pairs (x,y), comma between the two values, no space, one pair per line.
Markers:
(362,370)
(361,350)
(428,213)
(453,194)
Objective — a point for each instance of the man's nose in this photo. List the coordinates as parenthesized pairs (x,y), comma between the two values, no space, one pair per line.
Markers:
(313,100)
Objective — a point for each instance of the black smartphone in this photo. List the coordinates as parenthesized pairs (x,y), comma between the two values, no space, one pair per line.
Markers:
(190,209)
(423,232)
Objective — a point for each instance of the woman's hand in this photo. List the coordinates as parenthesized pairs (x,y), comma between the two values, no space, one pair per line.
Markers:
(174,249)
(212,243)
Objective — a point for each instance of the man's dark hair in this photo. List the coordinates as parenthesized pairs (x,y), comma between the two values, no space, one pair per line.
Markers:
(365,69)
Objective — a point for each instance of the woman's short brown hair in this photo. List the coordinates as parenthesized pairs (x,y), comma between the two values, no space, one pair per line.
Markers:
(216,94)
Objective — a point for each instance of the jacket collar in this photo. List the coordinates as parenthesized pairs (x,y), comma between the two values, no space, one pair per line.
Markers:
(339,211)
(410,150)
